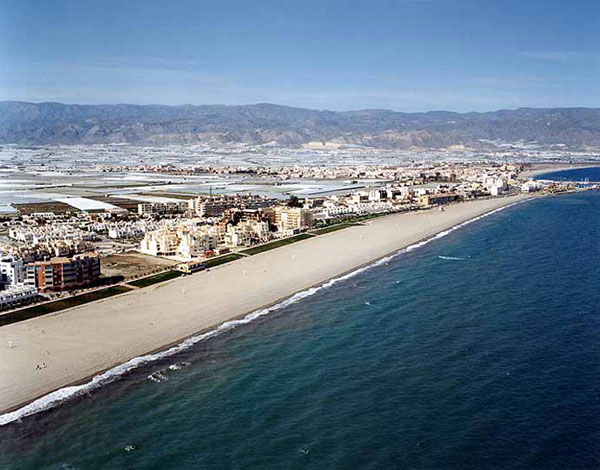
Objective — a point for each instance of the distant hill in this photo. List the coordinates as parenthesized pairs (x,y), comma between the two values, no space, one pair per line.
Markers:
(57,123)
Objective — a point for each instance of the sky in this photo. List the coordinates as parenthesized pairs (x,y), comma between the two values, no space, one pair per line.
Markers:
(405,55)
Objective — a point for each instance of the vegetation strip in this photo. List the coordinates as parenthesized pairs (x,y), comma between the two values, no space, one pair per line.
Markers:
(276,244)
(50,307)
(211,263)
(148,281)
(331,228)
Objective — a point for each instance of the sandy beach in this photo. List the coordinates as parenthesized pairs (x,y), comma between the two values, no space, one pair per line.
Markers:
(75,344)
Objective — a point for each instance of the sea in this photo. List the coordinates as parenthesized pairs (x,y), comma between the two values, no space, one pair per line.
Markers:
(478,350)
(580,175)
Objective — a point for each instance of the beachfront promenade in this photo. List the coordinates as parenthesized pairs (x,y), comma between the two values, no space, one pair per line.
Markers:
(77,343)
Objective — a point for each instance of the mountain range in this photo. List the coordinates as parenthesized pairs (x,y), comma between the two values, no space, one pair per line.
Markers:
(57,123)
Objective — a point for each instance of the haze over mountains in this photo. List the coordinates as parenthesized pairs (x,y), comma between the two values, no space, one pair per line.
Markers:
(56,123)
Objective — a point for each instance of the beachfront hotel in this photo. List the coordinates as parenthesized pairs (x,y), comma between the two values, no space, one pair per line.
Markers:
(13,290)
(290,218)
(12,271)
(246,233)
(185,242)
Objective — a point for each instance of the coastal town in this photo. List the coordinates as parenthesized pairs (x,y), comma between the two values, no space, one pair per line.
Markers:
(269,235)
(80,243)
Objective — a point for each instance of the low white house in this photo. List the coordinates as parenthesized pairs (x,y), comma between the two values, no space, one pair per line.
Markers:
(531,186)
(17,295)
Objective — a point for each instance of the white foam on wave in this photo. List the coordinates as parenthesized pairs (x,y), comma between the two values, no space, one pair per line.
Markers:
(59,396)
(451,258)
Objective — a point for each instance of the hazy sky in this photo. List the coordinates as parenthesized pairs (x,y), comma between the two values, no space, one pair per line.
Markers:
(406,55)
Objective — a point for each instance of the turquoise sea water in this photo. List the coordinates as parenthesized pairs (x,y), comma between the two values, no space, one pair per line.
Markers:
(479,350)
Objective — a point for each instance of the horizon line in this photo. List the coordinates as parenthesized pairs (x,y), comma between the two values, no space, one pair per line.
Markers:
(296,107)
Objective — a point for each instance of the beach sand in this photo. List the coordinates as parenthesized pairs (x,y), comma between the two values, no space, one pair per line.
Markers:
(77,343)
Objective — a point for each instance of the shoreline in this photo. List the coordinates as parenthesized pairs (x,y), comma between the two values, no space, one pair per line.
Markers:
(121,347)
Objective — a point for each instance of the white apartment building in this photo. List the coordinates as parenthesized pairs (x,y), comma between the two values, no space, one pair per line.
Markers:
(162,207)
(12,271)
(192,245)
(160,243)
(183,242)
(292,218)
(246,232)
(203,207)
(359,197)
(125,232)
(495,185)
(332,209)
(531,186)
(378,194)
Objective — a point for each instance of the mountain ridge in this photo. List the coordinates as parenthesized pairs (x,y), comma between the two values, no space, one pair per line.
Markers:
(23,122)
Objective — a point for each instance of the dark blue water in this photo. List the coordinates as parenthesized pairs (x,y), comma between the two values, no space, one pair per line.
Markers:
(489,361)
(576,175)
